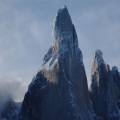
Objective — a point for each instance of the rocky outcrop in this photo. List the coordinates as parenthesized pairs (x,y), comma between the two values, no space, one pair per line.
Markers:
(59,91)
(114,94)
(105,89)
(10,110)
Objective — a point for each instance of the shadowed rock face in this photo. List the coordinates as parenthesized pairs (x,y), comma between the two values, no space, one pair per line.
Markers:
(10,110)
(99,84)
(105,89)
(59,91)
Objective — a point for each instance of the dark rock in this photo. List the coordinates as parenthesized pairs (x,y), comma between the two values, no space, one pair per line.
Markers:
(59,91)
(105,89)
(10,110)
(31,106)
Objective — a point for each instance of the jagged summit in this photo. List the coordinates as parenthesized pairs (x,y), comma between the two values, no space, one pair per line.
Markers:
(105,89)
(99,80)
(98,53)
(97,61)
(99,56)
(63,22)
(64,31)
(66,40)
(61,84)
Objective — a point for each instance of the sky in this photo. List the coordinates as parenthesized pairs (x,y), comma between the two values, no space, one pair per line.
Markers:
(26,33)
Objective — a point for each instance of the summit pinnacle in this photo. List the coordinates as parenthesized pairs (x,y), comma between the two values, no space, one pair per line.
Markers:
(59,91)
(63,22)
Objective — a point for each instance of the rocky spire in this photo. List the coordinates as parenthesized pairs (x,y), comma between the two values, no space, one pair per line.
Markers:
(63,22)
(99,57)
(99,82)
(66,40)
(64,32)
(104,90)
(62,83)
(99,68)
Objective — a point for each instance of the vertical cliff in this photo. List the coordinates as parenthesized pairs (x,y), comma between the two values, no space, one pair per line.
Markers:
(59,91)
(104,89)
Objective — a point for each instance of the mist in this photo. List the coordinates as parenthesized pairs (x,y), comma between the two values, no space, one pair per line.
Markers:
(11,89)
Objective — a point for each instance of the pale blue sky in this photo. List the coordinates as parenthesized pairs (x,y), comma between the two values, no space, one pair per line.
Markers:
(26,34)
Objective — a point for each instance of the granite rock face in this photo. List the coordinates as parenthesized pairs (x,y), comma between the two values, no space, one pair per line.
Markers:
(59,91)
(105,89)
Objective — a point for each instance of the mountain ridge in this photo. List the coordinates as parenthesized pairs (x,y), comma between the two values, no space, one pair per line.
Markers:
(59,90)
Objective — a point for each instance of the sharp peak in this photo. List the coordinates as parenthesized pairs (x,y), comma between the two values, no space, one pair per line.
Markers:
(99,56)
(63,9)
(63,20)
(98,53)
(64,31)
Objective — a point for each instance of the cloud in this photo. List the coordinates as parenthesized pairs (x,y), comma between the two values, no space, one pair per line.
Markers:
(11,88)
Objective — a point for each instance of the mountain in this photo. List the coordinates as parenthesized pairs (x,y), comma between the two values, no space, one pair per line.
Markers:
(59,91)
(10,110)
(105,89)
